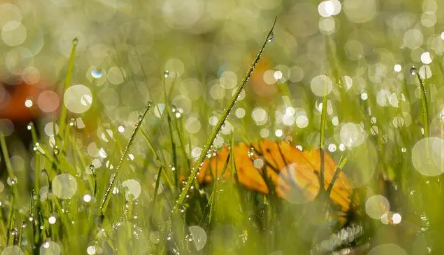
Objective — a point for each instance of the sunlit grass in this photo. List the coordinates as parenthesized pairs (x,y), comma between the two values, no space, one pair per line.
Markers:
(130,186)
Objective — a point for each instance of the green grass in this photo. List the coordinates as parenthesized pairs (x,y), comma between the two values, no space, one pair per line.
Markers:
(174,214)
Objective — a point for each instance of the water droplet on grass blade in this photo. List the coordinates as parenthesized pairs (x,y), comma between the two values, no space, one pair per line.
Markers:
(91,250)
(11,181)
(52,220)
(166,74)
(413,70)
(271,37)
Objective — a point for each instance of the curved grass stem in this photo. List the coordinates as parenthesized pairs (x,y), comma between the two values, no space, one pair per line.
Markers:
(425,111)
(221,122)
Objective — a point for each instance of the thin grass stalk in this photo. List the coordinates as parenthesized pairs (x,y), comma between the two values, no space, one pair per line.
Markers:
(221,122)
(11,175)
(156,188)
(10,220)
(170,126)
(68,80)
(336,175)
(116,174)
(322,142)
(425,111)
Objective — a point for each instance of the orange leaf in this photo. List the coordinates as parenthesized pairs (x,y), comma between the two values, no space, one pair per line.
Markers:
(293,173)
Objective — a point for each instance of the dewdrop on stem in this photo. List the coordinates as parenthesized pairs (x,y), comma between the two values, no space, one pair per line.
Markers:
(413,70)
(166,74)
(271,37)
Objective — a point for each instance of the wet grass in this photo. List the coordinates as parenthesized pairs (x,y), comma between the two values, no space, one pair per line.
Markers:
(144,198)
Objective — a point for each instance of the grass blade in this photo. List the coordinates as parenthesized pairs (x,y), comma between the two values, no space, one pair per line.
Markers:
(117,173)
(322,142)
(221,121)
(425,111)
(68,80)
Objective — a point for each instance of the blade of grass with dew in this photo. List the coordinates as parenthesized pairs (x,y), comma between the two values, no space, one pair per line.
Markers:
(22,228)
(8,164)
(336,175)
(187,159)
(156,188)
(170,125)
(117,173)
(221,121)
(37,173)
(68,79)
(31,127)
(322,142)
(10,220)
(212,200)
(425,111)
(182,143)
(3,230)
(159,161)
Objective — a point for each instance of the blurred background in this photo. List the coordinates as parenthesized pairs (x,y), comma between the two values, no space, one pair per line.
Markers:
(126,46)
(127,50)
(361,52)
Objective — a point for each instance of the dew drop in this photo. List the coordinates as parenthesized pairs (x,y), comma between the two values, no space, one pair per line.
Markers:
(75,41)
(11,181)
(87,198)
(251,152)
(271,37)
(52,220)
(166,74)
(91,250)
(413,70)
(332,147)
(96,73)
